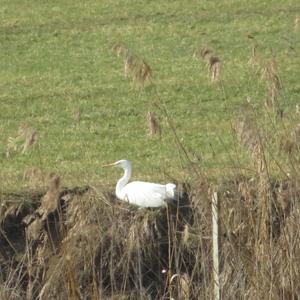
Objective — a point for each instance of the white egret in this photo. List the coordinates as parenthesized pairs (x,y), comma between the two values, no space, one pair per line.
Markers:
(143,194)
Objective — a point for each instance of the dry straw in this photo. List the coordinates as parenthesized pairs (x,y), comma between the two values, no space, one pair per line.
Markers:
(212,61)
(120,49)
(26,138)
(93,246)
(153,124)
(297,23)
(142,74)
(273,85)
(254,60)
(134,67)
(76,115)
(130,64)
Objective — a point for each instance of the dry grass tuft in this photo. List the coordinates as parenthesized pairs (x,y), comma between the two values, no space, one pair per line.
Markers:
(33,174)
(120,49)
(215,68)
(49,202)
(76,115)
(130,63)
(26,138)
(180,286)
(254,60)
(136,68)
(297,23)
(30,140)
(290,144)
(213,62)
(274,85)
(153,124)
(142,74)
(247,131)
(203,53)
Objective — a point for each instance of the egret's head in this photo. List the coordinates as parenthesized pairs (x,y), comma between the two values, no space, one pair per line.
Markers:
(123,163)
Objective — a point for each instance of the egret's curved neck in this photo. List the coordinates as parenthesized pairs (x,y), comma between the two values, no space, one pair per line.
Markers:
(124,180)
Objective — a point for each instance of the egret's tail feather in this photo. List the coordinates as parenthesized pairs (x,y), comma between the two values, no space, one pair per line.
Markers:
(170,190)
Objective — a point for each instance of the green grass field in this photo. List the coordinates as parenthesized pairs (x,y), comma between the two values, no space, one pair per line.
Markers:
(56,58)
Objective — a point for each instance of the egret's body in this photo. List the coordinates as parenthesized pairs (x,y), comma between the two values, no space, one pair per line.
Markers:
(143,194)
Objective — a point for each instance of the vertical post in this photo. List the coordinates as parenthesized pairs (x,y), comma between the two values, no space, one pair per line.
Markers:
(215,237)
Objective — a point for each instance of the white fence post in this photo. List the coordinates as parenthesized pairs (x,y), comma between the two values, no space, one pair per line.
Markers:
(215,237)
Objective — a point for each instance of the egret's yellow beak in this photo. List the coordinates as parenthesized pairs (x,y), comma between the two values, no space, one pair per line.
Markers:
(109,165)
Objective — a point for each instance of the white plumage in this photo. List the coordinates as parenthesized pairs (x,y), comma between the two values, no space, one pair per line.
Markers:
(143,194)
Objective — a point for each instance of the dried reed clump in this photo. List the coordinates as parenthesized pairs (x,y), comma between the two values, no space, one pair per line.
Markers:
(297,23)
(120,49)
(252,138)
(248,133)
(215,68)
(130,63)
(203,53)
(290,144)
(153,124)
(106,249)
(76,115)
(49,203)
(138,70)
(274,85)
(25,139)
(257,267)
(33,175)
(254,60)
(180,286)
(212,61)
(142,74)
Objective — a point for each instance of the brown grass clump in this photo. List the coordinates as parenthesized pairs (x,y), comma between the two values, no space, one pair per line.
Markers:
(76,115)
(33,174)
(215,68)
(297,23)
(25,139)
(136,68)
(130,63)
(254,60)
(213,62)
(120,49)
(153,124)
(290,144)
(203,53)
(274,85)
(142,74)
(247,131)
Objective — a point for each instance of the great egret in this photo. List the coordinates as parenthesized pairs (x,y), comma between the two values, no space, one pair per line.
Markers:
(143,194)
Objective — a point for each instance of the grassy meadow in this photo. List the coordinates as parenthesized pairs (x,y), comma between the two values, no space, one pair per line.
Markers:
(57,61)
(205,93)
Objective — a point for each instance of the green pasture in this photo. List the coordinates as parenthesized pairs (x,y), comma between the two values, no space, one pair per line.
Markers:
(56,58)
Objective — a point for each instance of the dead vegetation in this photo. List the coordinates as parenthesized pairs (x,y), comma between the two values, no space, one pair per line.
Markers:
(213,62)
(25,139)
(153,124)
(83,244)
(134,67)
